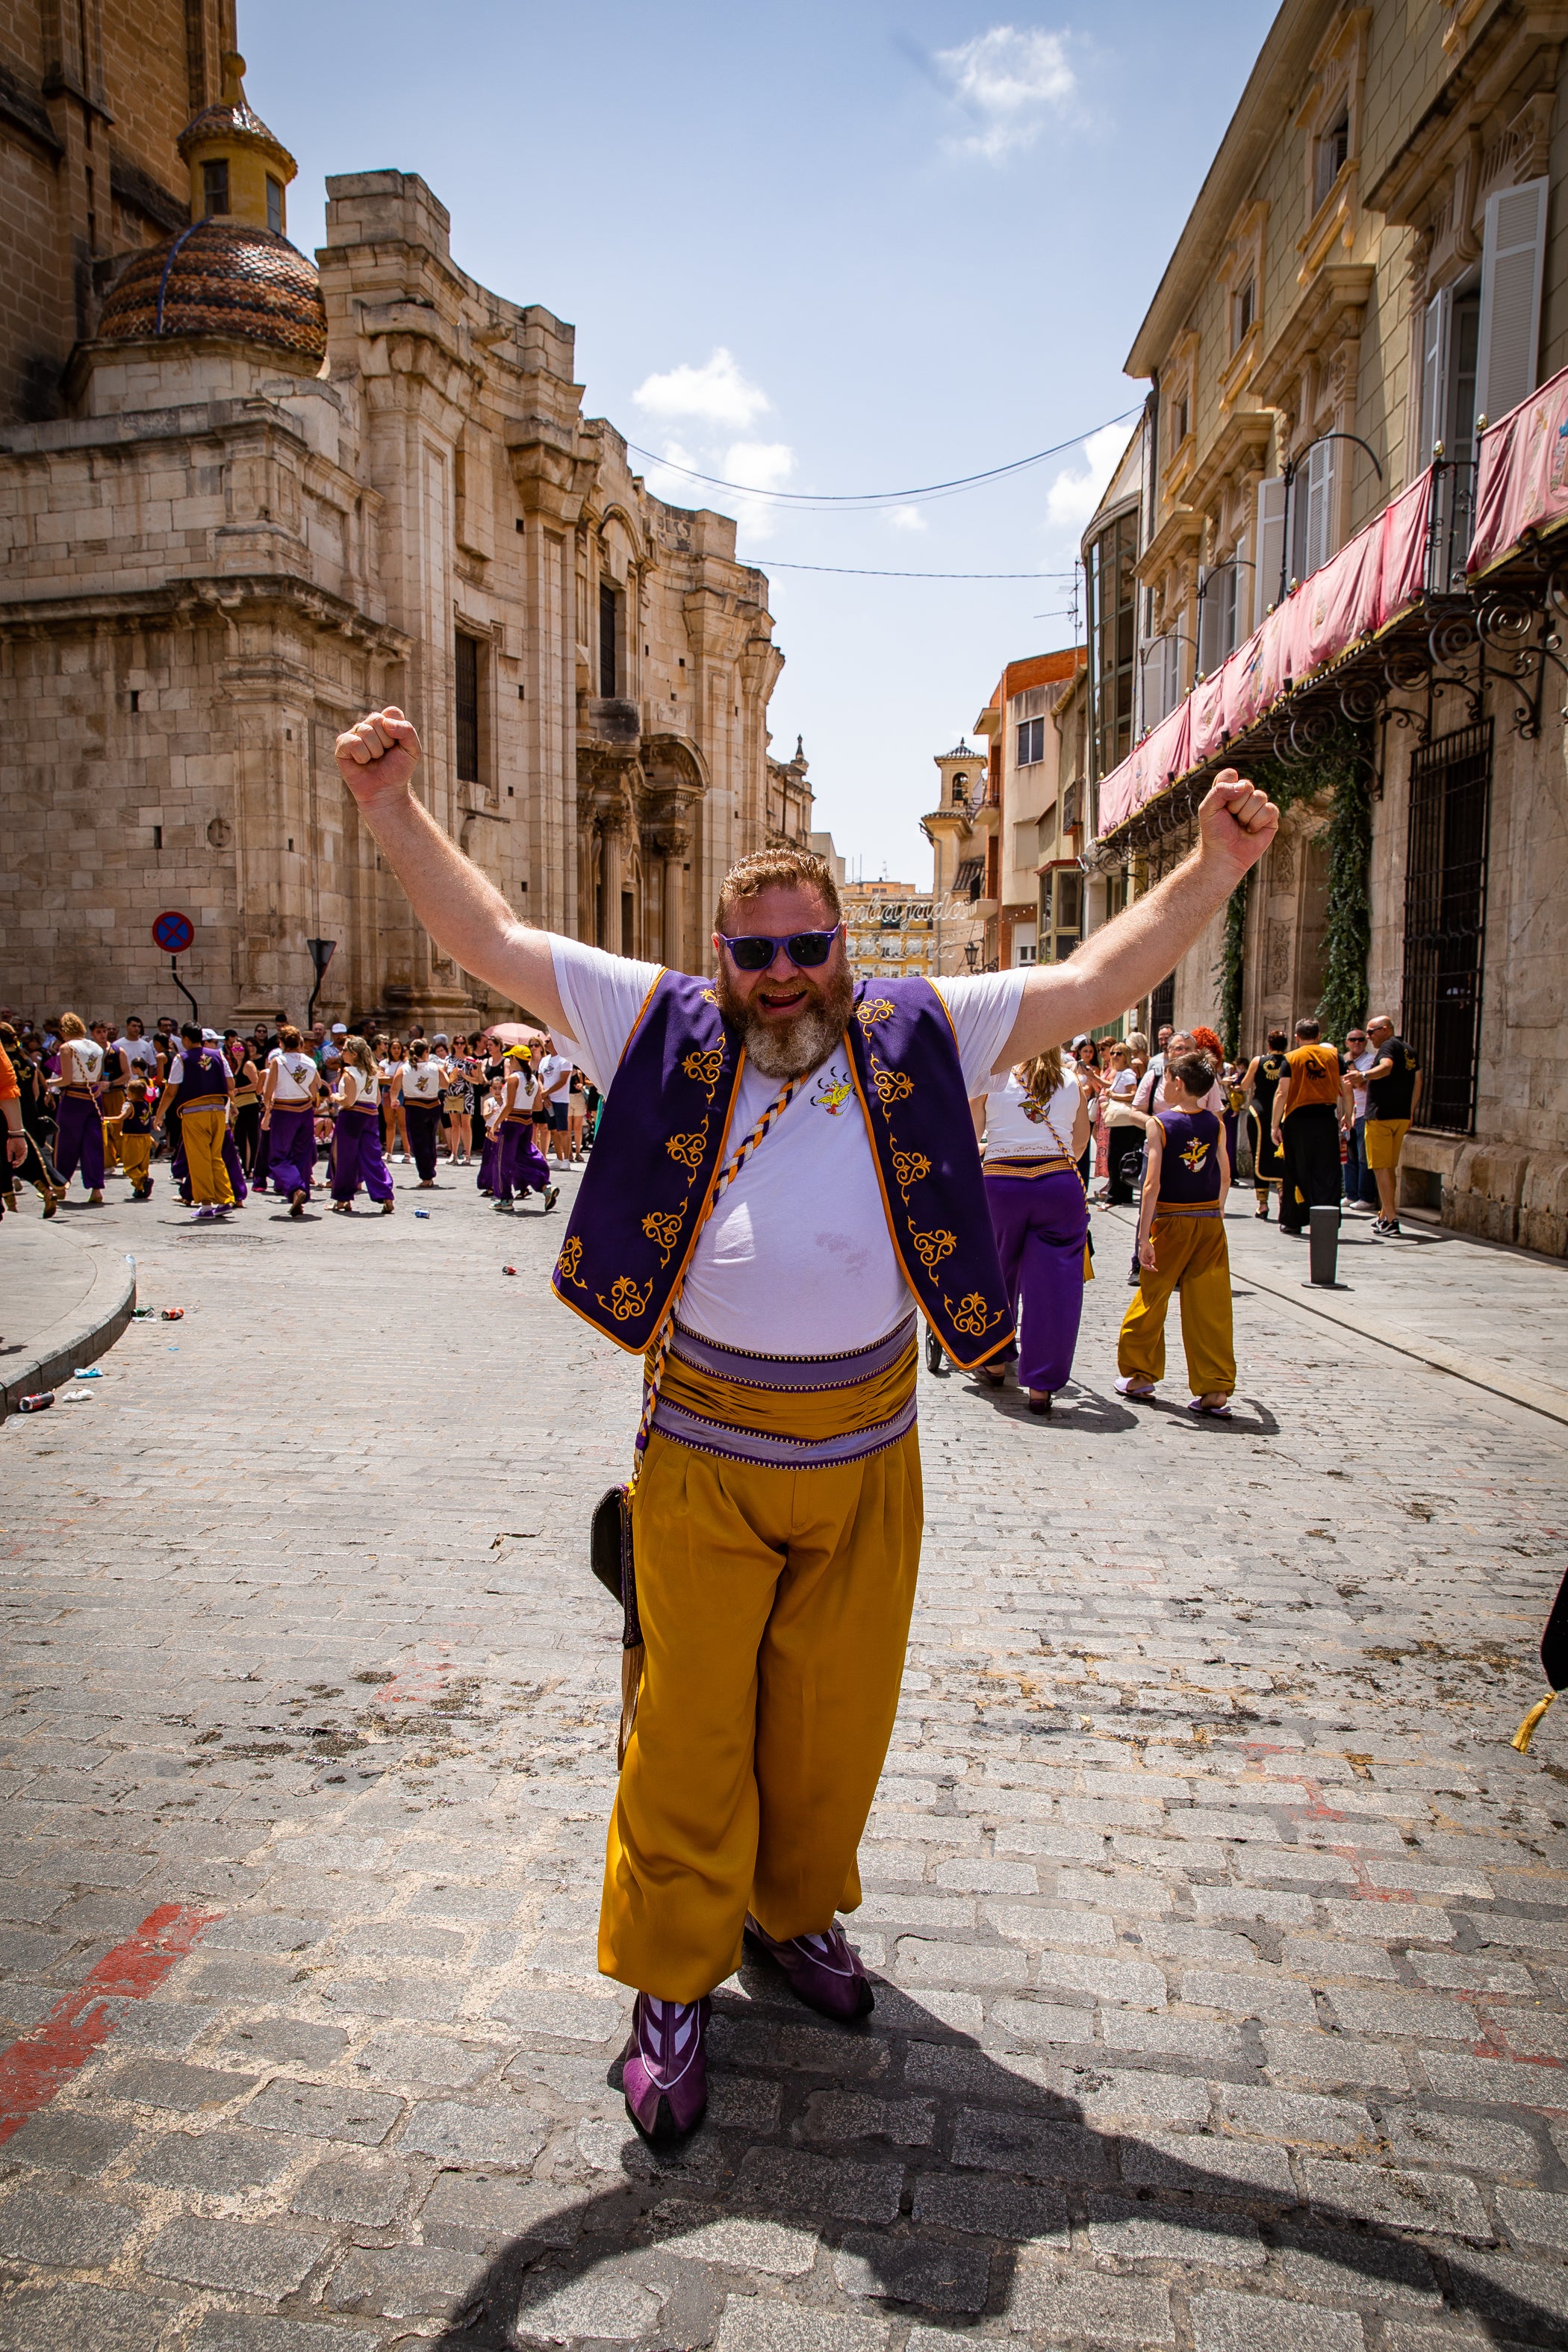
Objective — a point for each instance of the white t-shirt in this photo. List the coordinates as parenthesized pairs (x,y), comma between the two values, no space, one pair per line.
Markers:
(368,1096)
(1119,1093)
(556,1066)
(421,1081)
(81,1062)
(1150,1095)
(295,1072)
(796,1259)
(139,1049)
(1014,1132)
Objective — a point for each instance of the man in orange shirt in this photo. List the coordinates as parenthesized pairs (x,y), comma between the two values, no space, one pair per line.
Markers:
(1311,1110)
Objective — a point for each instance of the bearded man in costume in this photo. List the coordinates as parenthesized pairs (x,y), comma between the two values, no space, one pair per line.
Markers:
(786,1177)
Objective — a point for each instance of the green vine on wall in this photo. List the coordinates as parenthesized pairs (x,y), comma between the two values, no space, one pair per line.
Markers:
(1338,772)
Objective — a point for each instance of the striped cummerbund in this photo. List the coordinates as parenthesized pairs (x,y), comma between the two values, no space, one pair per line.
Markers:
(788,1412)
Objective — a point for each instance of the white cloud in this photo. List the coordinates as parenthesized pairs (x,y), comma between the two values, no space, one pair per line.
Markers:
(1007,80)
(718,394)
(906,518)
(759,465)
(1073,496)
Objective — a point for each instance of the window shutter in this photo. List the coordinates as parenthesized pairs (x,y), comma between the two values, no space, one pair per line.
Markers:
(1319,508)
(1513,255)
(1270,545)
(1434,375)
(1211,626)
(1172,690)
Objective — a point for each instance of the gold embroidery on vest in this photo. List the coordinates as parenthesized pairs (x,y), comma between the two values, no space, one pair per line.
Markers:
(933,1247)
(688,1149)
(894,1085)
(909,1167)
(570,1259)
(625,1300)
(875,1009)
(664,1230)
(705,1067)
(968,1315)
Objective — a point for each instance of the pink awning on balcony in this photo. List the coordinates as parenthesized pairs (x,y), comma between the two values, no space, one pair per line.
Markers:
(1522,481)
(1375,577)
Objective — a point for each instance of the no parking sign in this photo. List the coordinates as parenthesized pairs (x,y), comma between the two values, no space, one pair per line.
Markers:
(173,931)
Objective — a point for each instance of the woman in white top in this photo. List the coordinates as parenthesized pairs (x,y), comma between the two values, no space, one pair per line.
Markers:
(357,1156)
(1124,1126)
(423,1078)
(289,1094)
(1037,1126)
(79,1140)
(392,1062)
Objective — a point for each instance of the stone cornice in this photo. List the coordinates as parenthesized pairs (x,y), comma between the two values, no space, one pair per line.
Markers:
(1511,55)
(119,611)
(1332,308)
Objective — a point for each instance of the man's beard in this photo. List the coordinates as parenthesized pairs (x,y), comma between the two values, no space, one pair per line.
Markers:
(788,1049)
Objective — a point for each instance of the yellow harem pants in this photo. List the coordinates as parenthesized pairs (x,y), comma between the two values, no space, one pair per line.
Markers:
(1190,1258)
(775,1609)
(136,1157)
(201,1133)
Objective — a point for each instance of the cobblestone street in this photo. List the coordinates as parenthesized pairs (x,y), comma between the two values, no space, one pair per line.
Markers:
(1220,1938)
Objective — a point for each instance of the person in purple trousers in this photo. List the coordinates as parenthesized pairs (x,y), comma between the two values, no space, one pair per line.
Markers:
(1036,1129)
(357,1155)
(289,1094)
(521,1165)
(78,1138)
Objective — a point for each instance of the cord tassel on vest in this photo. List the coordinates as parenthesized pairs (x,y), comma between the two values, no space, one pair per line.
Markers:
(1528,1729)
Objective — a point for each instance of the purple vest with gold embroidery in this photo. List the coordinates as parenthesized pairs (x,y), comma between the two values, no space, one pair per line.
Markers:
(662,1139)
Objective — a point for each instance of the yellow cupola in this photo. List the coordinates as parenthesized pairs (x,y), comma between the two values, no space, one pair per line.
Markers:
(238,170)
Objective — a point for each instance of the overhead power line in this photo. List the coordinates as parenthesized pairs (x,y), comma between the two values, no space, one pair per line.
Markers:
(872,498)
(864,571)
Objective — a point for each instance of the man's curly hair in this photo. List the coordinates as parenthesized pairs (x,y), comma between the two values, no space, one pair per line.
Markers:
(776,870)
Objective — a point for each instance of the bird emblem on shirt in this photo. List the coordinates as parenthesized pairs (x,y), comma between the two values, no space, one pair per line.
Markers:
(1194,1155)
(833,1091)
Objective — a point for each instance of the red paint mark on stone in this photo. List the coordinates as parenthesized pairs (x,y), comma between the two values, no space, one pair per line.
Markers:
(423,1674)
(35,2067)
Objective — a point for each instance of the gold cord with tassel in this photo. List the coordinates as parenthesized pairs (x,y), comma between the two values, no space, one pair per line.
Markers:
(1527,1729)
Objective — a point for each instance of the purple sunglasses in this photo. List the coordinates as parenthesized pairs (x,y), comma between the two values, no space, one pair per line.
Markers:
(754,952)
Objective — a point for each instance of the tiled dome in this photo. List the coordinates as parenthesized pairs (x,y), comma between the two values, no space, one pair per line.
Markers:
(219,277)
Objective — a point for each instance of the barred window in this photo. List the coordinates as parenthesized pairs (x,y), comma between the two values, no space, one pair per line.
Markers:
(467,706)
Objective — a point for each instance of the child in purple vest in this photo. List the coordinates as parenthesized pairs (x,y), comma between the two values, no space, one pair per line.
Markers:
(1182,1247)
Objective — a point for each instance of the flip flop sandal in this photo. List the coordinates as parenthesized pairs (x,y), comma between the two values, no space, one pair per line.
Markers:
(1134,1396)
(1209,1412)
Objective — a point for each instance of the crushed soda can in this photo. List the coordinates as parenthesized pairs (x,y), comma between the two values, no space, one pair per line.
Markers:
(423,1213)
(142,1314)
(39,1401)
(92,1373)
(174,1314)
(509,1269)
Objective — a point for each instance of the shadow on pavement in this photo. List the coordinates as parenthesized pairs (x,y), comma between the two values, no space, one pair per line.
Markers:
(927,2167)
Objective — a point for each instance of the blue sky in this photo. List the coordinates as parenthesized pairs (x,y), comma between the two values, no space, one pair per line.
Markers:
(830,249)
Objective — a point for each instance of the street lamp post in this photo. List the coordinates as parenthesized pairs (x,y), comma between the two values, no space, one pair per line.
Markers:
(1292,467)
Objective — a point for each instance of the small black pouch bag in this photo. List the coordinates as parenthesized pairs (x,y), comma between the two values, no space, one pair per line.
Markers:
(610,1556)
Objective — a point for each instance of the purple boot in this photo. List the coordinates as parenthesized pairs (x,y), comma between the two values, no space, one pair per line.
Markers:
(664,2074)
(824,1970)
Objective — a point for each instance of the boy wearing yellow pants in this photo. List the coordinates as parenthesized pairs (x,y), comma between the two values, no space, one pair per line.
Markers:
(1182,1247)
(133,1130)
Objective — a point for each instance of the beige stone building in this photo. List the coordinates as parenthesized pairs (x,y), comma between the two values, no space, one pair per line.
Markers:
(960,830)
(1377,262)
(244,498)
(891,928)
(1033,871)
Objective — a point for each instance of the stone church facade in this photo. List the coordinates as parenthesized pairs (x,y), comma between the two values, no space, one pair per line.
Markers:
(244,498)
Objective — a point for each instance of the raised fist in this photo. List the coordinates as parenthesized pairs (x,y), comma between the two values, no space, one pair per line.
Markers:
(378,756)
(1235,821)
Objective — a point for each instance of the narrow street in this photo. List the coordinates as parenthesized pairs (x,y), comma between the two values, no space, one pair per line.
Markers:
(1221,1939)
